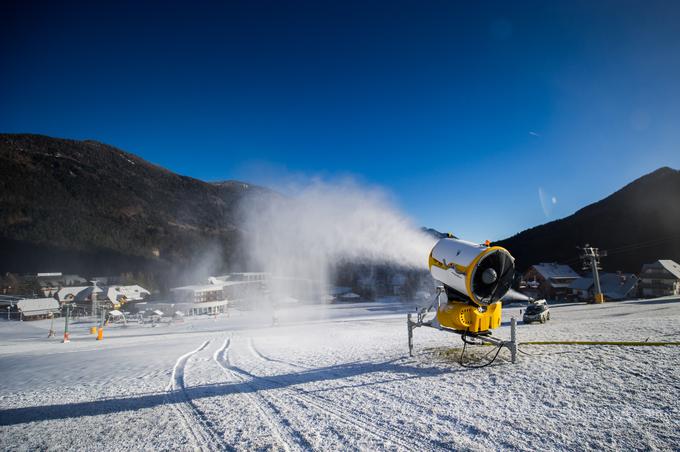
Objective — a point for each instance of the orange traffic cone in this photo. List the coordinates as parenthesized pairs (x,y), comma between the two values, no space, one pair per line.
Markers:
(100,334)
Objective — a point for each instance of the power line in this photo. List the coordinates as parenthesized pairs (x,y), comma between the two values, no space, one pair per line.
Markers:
(629,247)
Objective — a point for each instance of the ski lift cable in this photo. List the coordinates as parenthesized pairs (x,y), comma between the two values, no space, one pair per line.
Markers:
(628,247)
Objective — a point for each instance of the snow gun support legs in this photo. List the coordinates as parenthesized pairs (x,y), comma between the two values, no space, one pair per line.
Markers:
(419,321)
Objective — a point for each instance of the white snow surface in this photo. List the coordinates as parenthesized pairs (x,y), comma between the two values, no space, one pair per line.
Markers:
(339,378)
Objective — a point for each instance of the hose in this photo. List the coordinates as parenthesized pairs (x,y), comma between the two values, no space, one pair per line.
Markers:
(462,353)
(620,343)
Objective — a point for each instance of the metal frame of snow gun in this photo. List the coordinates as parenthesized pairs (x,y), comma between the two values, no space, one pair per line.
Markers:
(434,323)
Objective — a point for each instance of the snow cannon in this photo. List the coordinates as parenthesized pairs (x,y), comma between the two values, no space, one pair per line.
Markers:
(474,277)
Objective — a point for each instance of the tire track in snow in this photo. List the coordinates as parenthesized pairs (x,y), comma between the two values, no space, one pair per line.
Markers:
(205,437)
(287,437)
(467,430)
(351,418)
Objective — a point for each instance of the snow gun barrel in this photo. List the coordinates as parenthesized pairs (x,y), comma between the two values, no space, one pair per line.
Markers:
(471,272)
(475,278)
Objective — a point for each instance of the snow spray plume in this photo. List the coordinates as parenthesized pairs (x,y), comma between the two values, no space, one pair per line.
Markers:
(206,261)
(302,238)
(513,295)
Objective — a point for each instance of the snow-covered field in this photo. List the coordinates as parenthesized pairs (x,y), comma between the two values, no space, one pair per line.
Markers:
(339,377)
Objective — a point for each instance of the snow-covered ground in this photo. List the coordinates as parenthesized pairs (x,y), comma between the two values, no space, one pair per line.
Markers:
(339,377)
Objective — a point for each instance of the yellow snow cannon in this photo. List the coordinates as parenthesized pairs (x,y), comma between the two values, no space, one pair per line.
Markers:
(475,277)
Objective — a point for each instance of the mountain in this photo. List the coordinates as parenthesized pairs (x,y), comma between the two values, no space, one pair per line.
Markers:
(433,232)
(638,224)
(86,207)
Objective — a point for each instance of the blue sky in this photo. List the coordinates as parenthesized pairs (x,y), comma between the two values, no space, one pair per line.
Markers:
(462,111)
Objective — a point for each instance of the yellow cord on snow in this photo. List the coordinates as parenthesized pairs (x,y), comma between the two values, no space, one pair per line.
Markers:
(630,344)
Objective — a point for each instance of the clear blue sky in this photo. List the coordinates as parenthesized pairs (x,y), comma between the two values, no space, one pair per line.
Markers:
(461,110)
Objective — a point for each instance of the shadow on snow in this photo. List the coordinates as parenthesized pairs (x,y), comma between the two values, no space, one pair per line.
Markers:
(252,383)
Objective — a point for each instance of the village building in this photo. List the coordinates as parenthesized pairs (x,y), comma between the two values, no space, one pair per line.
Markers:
(50,283)
(37,284)
(77,294)
(114,297)
(201,298)
(660,278)
(549,280)
(126,294)
(614,286)
(108,280)
(37,308)
(247,276)
(8,306)
(219,293)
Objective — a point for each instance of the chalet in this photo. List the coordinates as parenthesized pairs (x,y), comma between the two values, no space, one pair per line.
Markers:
(660,278)
(126,294)
(614,286)
(50,283)
(77,294)
(549,280)
(108,297)
(582,288)
(37,308)
(38,284)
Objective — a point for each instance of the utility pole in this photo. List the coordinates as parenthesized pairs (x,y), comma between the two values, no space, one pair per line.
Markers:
(100,330)
(93,299)
(591,261)
(67,335)
(51,333)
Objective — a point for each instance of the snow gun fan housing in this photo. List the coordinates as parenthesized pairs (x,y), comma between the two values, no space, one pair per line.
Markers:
(475,278)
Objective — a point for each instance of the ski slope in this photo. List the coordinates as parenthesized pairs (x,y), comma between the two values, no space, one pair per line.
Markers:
(339,377)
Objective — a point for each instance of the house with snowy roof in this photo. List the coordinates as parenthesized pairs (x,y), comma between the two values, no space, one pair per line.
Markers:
(77,294)
(48,284)
(37,308)
(126,294)
(660,278)
(614,286)
(108,297)
(549,280)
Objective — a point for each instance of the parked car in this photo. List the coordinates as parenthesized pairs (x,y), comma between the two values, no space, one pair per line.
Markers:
(537,311)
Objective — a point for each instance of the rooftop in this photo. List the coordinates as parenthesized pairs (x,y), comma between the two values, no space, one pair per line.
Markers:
(669,265)
(613,285)
(555,271)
